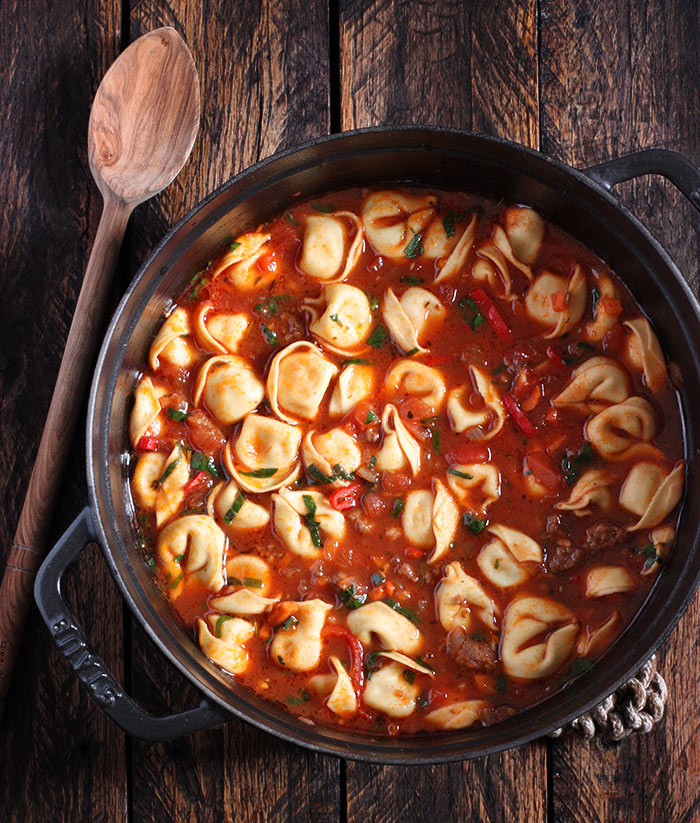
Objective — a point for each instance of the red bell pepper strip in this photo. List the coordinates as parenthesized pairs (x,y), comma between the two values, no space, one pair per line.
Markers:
(357,653)
(411,552)
(346,498)
(496,321)
(147,444)
(196,480)
(514,410)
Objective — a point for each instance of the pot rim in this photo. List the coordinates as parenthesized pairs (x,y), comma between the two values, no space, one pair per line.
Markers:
(398,750)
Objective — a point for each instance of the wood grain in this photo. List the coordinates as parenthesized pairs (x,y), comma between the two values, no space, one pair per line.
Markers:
(397,61)
(264,74)
(613,82)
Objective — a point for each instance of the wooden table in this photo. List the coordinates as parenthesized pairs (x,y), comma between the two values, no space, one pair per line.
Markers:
(581,81)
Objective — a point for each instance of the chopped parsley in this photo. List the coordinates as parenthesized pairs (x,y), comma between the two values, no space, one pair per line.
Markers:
(288,217)
(359,361)
(268,334)
(371,664)
(398,507)
(412,352)
(371,417)
(376,579)
(336,319)
(169,469)
(458,473)
(289,623)
(409,676)
(302,697)
(233,581)
(373,302)
(378,337)
(235,508)
(397,607)
(474,524)
(435,437)
(220,622)
(176,582)
(448,223)
(471,313)
(312,524)
(151,562)
(425,665)
(351,598)
(422,701)
(234,245)
(479,636)
(197,282)
(501,684)
(179,558)
(316,473)
(499,369)
(326,208)
(253,582)
(204,463)
(270,306)
(339,473)
(414,248)
(261,473)
(373,461)
(649,552)
(411,279)
(570,466)
(176,414)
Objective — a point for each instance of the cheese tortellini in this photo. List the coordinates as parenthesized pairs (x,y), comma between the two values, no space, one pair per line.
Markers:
(412,379)
(460,598)
(200,542)
(229,386)
(334,454)
(298,647)
(489,418)
(644,352)
(430,519)
(146,411)
(224,644)
(503,560)
(227,504)
(172,342)
(623,431)
(219,331)
(264,455)
(557,302)
(394,631)
(297,382)
(651,492)
(355,382)
(475,485)
(239,264)
(458,715)
(592,488)
(340,318)
(329,252)
(399,448)
(302,519)
(598,382)
(409,316)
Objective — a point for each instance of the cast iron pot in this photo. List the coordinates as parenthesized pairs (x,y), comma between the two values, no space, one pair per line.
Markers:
(578,202)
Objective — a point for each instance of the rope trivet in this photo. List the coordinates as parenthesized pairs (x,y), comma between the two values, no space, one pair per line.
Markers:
(634,708)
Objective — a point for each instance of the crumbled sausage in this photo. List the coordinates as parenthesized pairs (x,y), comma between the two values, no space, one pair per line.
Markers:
(360,521)
(406,570)
(604,534)
(564,558)
(470,653)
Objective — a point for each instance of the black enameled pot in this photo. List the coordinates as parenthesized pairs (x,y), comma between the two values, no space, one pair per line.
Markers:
(578,202)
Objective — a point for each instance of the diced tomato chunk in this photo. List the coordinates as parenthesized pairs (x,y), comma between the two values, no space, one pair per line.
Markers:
(268,263)
(395,482)
(346,498)
(467,453)
(544,470)
(559,300)
(374,504)
(147,444)
(610,305)
(414,409)
(205,435)
(364,416)
(412,552)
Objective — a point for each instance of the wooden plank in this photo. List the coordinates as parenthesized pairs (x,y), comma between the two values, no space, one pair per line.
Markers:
(457,65)
(264,76)
(60,754)
(615,79)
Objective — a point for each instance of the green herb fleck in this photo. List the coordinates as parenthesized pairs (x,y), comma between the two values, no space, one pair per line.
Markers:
(326,208)
(411,279)
(422,662)
(376,579)
(458,473)
(235,508)
(471,313)
(335,319)
(378,337)
(233,581)
(179,558)
(169,469)
(176,582)
(234,245)
(479,636)
(371,664)
(220,622)
(373,461)
(474,524)
(414,248)
(422,701)
(501,684)
(409,676)
(261,473)
(339,473)
(302,697)
(397,607)
(351,598)
(499,369)
(176,414)
(435,437)
(268,334)
(318,475)
(496,562)
(371,417)
(359,361)
(650,555)
(288,217)
(204,463)
(412,352)
(448,223)
(311,522)
(151,562)
(253,582)
(398,507)
(289,623)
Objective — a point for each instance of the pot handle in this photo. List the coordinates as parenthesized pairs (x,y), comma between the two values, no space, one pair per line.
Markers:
(90,669)
(670,164)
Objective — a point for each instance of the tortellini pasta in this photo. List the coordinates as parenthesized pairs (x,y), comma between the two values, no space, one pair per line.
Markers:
(198,539)
(602,581)
(294,516)
(538,637)
(598,382)
(525,231)
(219,331)
(299,646)
(460,598)
(430,519)
(458,715)
(250,566)
(264,455)
(496,253)
(409,378)
(644,352)
(651,492)
(606,313)
(662,540)
(475,485)
(146,410)
(297,382)
(624,431)
(458,256)
(490,418)
(225,644)
(394,631)
(399,447)
(338,687)
(245,601)
(502,560)
(410,315)
(592,488)
(340,318)
(229,386)
(239,264)
(355,382)
(172,342)
(557,302)
(393,218)
(390,692)
(329,253)
(334,454)
(593,640)
(169,491)
(228,504)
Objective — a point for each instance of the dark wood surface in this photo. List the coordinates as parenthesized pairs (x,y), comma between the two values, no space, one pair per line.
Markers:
(582,81)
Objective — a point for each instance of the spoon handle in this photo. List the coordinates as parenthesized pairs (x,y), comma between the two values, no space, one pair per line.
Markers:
(30,539)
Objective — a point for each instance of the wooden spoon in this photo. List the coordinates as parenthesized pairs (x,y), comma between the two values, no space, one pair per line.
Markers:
(143,123)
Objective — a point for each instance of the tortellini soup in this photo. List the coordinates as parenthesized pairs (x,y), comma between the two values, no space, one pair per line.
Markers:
(406,460)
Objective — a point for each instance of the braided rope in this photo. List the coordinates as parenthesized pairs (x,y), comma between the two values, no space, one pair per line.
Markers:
(634,708)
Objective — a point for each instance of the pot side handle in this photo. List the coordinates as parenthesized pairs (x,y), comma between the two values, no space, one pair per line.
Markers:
(91,671)
(670,164)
